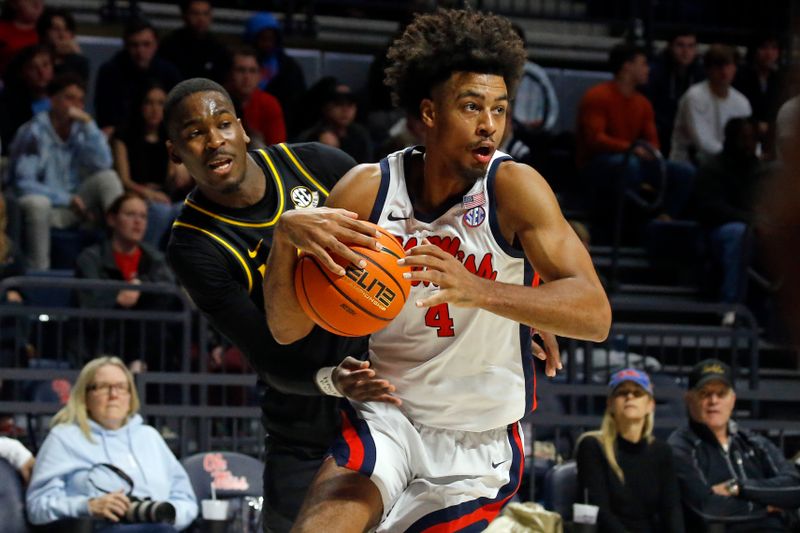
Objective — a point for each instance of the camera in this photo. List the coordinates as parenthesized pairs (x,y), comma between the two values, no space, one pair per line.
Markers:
(147,510)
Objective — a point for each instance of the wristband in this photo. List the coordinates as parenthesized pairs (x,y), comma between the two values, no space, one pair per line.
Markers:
(324,379)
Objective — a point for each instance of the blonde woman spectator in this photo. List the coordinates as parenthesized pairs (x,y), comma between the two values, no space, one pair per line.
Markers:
(623,470)
(100,425)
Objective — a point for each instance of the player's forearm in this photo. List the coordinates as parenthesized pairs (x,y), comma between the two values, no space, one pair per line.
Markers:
(568,307)
(286,320)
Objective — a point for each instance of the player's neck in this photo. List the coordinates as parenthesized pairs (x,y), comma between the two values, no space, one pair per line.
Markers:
(434,183)
(251,190)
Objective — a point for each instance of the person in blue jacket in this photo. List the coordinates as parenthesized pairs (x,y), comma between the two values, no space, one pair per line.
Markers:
(100,425)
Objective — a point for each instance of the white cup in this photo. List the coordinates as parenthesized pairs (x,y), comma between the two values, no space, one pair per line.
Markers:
(215,509)
(584,513)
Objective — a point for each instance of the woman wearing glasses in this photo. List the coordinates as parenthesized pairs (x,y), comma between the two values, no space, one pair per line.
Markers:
(100,426)
(622,469)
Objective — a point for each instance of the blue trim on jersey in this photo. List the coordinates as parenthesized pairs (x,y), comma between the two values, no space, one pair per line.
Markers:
(493,223)
(525,350)
(340,449)
(454,512)
(377,208)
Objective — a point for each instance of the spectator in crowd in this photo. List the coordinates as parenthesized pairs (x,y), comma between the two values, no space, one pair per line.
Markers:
(141,160)
(262,116)
(12,507)
(25,91)
(336,125)
(17,456)
(12,263)
(100,425)
(123,256)
(616,126)
(17,28)
(672,72)
(760,80)
(126,74)
(408,131)
(622,468)
(706,107)
(60,165)
(786,126)
(727,474)
(536,102)
(209,57)
(56,29)
(281,76)
(725,197)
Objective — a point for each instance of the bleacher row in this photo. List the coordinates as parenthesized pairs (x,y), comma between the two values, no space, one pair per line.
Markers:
(199,404)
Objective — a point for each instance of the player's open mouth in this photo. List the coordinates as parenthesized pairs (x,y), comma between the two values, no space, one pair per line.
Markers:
(483,154)
(221,166)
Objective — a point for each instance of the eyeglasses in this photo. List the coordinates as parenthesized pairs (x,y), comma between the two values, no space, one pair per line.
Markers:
(121,389)
(637,393)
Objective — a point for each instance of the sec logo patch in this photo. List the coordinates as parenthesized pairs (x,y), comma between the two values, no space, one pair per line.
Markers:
(474,217)
(303,197)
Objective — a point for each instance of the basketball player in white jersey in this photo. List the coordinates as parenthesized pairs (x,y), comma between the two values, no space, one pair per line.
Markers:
(447,454)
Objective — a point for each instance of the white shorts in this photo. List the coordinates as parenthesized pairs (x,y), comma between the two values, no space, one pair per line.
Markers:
(430,479)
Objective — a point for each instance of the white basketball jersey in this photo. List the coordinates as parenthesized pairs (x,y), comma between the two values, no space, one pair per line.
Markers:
(455,368)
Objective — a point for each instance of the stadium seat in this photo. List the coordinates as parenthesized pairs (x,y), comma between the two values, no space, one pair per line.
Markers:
(236,477)
(561,488)
(12,499)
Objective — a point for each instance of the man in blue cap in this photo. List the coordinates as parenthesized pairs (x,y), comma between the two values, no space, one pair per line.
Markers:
(728,475)
(281,76)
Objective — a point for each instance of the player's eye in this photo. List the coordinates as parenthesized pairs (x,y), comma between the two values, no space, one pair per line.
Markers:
(471,106)
(225,124)
(499,110)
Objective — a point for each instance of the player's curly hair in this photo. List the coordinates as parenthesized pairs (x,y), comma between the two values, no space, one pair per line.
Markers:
(437,44)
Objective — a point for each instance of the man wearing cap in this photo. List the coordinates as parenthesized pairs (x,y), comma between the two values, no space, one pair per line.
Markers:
(728,475)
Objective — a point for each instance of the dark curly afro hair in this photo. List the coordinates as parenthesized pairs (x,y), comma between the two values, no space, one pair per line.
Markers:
(437,44)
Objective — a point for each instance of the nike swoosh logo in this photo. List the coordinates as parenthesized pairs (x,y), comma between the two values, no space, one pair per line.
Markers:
(393,218)
(495,465)
(254,253)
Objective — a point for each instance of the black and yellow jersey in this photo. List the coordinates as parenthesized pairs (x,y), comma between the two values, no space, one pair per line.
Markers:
(219,255)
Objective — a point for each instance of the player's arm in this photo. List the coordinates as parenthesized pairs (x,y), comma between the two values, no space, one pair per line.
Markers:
(318,232)
(572,302)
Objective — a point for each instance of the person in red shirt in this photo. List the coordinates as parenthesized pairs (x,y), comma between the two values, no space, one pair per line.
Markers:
(18,28)
(262,115)
(617,132)
(124,257)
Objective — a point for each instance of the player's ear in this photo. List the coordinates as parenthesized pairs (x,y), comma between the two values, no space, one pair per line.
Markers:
(244,132)
(426,112)
(171,152)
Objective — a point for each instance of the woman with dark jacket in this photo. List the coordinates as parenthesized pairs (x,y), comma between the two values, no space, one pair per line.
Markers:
(623,470)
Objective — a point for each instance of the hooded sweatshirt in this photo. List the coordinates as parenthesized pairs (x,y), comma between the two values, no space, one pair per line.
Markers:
(60,488)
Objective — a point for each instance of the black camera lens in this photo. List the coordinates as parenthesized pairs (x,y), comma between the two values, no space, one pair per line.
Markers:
(150,511)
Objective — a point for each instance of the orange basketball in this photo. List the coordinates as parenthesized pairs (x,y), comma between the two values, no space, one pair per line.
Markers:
(363,300)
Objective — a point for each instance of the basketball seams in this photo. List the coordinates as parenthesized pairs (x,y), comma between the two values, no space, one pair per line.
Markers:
(310,305)
(391,276)
(323,271)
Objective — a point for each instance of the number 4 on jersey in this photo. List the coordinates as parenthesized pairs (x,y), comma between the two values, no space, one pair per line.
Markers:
(438,317)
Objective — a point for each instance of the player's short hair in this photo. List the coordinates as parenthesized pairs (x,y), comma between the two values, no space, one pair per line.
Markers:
(187,88)
(719,55)
(62,81)
(621,54)
(435,45)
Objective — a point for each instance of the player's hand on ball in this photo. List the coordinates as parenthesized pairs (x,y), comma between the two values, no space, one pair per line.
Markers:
(547,351)
(323,231)
(357,381)
(457,285)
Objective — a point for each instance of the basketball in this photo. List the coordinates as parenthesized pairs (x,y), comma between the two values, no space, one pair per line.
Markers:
(363,300)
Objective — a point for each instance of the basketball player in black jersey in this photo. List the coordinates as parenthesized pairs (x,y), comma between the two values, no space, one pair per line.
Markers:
(218,249)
